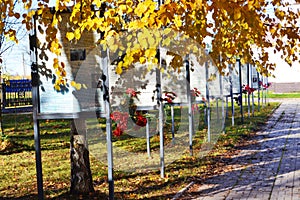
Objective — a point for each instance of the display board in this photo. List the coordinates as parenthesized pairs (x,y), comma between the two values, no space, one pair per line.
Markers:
(245,74)
(139,78)
(75,57)
(254,77)
(231,79)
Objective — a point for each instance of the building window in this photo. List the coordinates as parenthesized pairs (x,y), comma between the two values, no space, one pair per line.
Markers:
(77,54)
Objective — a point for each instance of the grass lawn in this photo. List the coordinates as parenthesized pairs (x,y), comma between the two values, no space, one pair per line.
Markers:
(283,95)
(17,159)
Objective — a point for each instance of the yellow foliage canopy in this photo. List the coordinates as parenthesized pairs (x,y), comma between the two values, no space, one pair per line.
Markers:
(236,27)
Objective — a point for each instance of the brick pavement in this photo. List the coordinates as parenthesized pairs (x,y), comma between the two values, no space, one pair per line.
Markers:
(268,169)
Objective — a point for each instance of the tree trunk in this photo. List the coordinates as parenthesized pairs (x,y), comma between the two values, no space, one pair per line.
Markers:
(81,176)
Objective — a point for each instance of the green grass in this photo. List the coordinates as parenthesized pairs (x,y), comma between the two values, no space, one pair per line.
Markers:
(283,95)
(17,160)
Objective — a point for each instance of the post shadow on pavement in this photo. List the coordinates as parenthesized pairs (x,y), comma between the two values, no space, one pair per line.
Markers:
(277,143)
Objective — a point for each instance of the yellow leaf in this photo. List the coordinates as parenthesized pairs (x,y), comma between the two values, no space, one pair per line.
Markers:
(250,4)
(73,83)
(129,3)
(77,34)
(199,4)
(70,36)
(142,60)
(272,30)
(122,9)
(166,41)
(57,73)
(119,69)
(167,31)
(237,15)
(142,41)
(39,11)
(97,3)
(55,20)
(57,87)
(243,61)
(229,55)
(120,53)
(152,42)
(177,21)
(150,53)
(78,86)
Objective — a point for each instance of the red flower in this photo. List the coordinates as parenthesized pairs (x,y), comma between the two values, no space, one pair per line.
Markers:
(121,119)
(131,92)
(169,97)
(169,100)
(266,86)
(123,122)
(141,120)
(116,115)
(249,89)
(117,132)
(195,92)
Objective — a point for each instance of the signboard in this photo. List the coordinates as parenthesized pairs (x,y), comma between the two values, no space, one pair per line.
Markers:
(233,75)
(244,74)
(254,77)
(80,65)
(139,78)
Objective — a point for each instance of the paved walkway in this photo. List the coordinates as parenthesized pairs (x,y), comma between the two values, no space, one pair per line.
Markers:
(268,169)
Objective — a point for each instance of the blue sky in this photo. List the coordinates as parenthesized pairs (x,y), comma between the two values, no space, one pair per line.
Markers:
(17,59)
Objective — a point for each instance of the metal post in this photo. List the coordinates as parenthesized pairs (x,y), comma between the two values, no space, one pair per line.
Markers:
(1,105)
(161,111)
(37,143)
(258,98)
(148,138)
(208,103)
(36,109)
(226,116)
(265,91)
(248,83)
(222,101)
(189,100)
(106,98)
(173,124)
(161,128)
(241,92)
(251,75)
(160,118)
(231,96)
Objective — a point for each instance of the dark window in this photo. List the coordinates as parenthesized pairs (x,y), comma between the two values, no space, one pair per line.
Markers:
(77,54)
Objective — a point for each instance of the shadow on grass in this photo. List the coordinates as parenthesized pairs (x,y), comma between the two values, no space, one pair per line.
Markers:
(64,196)
(68,196)
(20,143)
(27,197)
